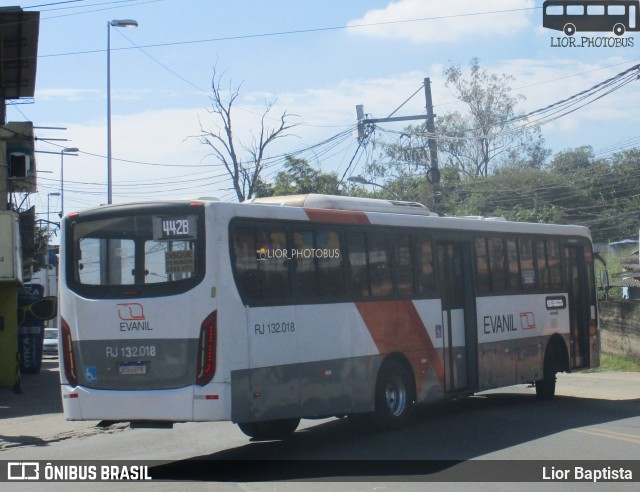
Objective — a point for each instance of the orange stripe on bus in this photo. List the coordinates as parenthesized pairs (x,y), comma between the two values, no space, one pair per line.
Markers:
(396,326)
(336,216)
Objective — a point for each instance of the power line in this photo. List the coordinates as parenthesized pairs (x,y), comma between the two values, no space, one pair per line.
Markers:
(546,114)
(53,4)
(300,31)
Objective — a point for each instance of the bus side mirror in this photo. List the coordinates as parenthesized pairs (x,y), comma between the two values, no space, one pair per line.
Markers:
(45,309)
(604,279)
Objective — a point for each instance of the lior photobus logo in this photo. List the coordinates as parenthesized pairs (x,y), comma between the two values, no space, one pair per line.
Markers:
(614,17)
(263,254)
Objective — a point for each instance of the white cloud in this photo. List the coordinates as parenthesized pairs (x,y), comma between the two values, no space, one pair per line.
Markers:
(68,94)
(161,136)
(448,21)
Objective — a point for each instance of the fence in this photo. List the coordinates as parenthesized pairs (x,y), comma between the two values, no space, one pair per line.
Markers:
(620,328)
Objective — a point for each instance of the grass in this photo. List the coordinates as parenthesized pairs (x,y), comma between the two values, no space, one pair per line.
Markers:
(614,363)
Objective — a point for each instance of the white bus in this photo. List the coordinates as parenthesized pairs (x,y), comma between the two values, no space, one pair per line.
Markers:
(310,306)
(571,16)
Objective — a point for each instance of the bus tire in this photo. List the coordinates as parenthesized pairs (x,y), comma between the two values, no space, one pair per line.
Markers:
(569,29)
(270,429)
(546,387)
(394,396)
(618,29)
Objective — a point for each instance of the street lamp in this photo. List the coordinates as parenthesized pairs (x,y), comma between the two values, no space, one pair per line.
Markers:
(363,181)
(114,23)
(70,151)
(48,216)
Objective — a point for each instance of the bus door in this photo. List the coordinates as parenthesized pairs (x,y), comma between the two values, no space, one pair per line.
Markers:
(579,305)
(454,266)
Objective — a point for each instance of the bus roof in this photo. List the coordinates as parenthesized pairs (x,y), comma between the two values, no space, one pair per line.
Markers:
(335,202)
(380,212)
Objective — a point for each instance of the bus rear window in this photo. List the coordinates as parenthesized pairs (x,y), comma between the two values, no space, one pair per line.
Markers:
(136,250)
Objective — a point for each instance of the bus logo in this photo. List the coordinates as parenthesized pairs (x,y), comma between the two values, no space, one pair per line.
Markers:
(571,16)
(527,321)
(131,311)
(23,470)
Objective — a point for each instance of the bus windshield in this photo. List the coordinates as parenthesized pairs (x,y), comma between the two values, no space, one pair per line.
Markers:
(154,252)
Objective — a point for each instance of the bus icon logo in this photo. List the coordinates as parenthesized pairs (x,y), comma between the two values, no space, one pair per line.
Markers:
(131,311)
(571,16)
(23,470)
(527,321)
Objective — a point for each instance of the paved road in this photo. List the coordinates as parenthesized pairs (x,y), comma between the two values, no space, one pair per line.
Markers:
(596,416)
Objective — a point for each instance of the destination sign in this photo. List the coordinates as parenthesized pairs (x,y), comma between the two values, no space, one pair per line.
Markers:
(175,227)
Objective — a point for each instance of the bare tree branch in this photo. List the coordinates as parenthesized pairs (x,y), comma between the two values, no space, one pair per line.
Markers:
(244,174)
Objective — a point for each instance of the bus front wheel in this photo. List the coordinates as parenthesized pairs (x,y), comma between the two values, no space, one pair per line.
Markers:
(618,29)
(394,396)
(270,429)
(546,387)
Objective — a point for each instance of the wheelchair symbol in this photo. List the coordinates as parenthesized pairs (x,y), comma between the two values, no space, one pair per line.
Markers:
(91,374)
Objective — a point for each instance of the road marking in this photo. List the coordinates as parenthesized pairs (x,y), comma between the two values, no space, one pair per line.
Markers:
(619,436)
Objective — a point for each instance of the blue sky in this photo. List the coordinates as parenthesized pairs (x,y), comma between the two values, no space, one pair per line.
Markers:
(315,59)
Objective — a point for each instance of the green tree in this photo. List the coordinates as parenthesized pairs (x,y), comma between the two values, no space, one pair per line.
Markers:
(572,162)
(514,193)
(299,177)
(484,137)
(474,143)
(34,249)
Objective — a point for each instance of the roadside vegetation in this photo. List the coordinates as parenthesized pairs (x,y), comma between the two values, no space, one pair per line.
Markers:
(614,363)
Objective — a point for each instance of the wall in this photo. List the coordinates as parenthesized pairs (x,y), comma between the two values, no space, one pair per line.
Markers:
(8,334)
(620,328)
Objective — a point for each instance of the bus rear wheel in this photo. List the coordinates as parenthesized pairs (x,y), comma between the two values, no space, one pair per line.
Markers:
(394,396)
(569,29)
(270,429)
(546,387)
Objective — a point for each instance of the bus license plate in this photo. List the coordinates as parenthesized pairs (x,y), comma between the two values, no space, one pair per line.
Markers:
(133,368)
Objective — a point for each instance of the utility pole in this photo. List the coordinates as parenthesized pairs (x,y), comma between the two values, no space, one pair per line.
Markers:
(433,175)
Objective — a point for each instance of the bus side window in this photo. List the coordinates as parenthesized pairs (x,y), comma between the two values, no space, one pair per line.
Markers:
(359,278)
(403,266)
(555,268)
(575,9)
(274,268)
(331,266)
(614,10)
(598,10)
(543,267)
(426,276)
(379,264)
(527,272)
(482,267)
(306,263)
(245,252)
(512,265)
(554,10)
(497,264)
